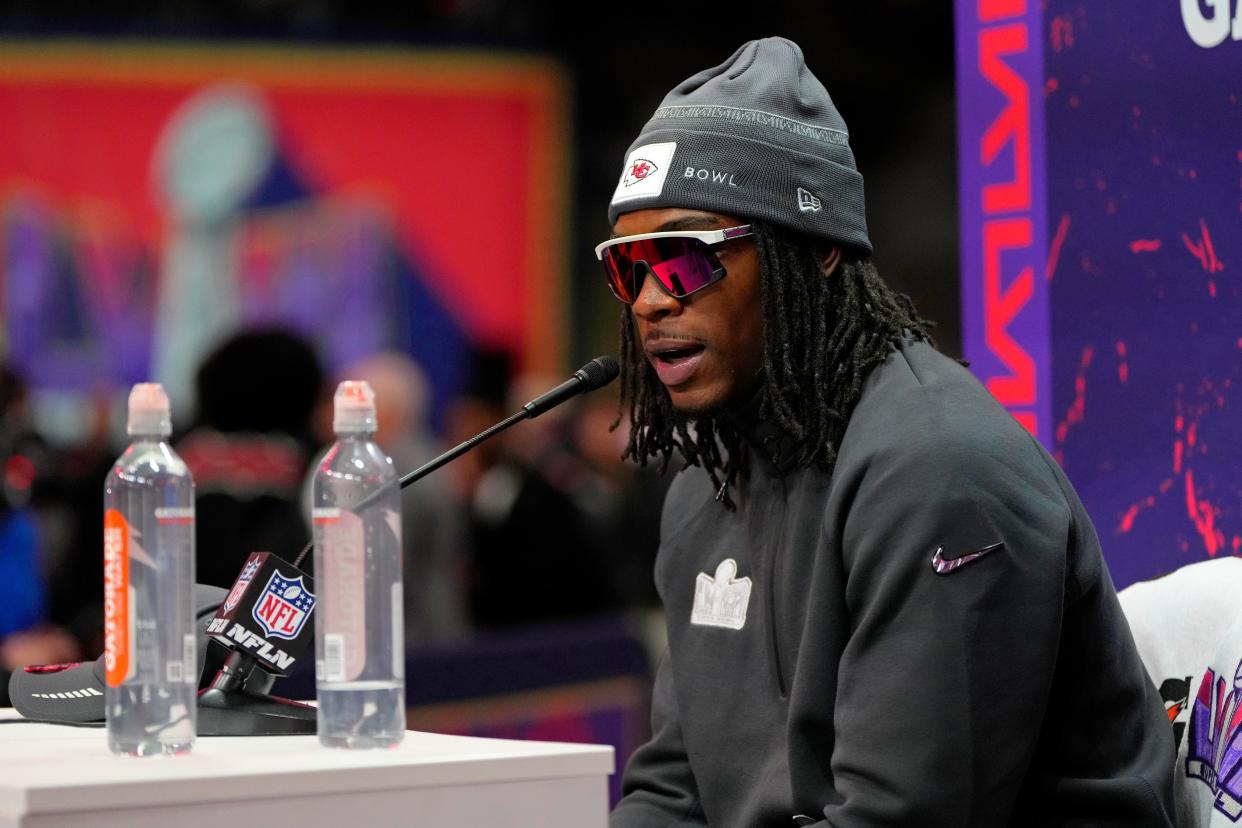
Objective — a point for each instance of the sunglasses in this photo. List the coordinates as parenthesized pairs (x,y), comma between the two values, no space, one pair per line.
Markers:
(682,262)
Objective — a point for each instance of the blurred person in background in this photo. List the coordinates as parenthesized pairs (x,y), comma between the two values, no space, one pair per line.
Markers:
(433,523)
(885,604)
(621,499)
(250,447)
(23,599)
(26,637)
(534,556)
(61,486)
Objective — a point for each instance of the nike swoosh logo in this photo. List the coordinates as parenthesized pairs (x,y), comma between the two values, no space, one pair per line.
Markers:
(945,566)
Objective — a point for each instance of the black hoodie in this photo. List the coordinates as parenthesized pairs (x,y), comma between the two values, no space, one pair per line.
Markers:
(928,636)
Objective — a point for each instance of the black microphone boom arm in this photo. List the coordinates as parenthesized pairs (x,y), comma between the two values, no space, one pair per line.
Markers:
(595,374)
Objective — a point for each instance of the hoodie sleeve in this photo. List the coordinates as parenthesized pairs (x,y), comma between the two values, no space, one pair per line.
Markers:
(658,789)
(959,569)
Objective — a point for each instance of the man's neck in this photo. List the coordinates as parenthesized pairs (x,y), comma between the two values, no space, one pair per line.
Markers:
(775,448)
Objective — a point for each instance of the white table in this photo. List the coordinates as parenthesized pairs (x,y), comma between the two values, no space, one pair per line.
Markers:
(51,775)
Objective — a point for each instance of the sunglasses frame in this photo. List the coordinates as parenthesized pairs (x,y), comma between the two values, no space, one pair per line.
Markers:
(708,237)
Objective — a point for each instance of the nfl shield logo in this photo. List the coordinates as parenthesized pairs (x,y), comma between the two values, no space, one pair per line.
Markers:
(283,606)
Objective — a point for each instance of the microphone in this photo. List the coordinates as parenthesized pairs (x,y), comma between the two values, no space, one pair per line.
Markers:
(595,374)
(266,613)
(264,622)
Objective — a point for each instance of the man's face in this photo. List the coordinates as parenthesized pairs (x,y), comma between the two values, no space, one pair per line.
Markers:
(707,349)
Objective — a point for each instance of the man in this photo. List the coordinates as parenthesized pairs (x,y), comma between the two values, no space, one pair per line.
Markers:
(885,603)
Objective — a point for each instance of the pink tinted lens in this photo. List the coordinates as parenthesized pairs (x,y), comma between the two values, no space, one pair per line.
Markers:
(681,265)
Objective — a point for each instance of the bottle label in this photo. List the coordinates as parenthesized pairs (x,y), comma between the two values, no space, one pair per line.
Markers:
(189,658)
(342,604)
(398,632)
(333,664)
(118,601)
(175,516)
(174,538)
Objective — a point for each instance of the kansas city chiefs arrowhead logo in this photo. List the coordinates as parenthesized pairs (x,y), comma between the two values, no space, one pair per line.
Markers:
(640,169)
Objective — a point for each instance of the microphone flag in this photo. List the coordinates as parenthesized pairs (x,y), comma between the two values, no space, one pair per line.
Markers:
(267,613)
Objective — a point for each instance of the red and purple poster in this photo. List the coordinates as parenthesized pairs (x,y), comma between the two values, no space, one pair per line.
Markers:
(154,199)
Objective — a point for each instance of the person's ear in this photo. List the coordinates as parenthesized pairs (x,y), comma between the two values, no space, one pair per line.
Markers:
(831,260)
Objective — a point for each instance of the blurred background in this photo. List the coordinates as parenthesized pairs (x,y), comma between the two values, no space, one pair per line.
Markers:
(251,200)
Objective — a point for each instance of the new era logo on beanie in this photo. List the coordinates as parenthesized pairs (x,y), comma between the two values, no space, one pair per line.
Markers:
(756,137)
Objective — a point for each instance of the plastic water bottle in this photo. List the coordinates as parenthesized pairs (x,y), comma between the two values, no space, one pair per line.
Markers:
(149,634)
(359,644)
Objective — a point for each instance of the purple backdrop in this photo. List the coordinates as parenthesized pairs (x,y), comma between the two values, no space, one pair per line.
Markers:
(1142,205)
(1001,170)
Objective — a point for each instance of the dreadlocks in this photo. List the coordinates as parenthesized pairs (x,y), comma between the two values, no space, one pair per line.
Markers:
(822,337)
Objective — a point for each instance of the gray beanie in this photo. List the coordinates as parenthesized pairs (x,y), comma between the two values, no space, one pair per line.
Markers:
(757,137)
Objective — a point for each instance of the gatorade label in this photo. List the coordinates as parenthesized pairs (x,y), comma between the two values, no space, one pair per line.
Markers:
(342,603)
(119,634)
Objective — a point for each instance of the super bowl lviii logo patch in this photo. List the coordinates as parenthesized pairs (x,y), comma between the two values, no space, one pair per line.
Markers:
(645,171)
(721,601)
(1214,751)
(283,606)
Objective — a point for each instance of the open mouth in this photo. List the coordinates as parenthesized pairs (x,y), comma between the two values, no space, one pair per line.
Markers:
(675,362)
(673,355)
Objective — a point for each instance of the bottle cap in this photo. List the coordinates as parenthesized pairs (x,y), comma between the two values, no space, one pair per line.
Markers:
(353,407)
(149,410)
